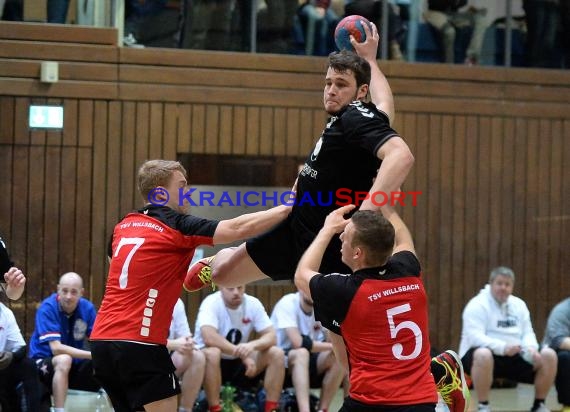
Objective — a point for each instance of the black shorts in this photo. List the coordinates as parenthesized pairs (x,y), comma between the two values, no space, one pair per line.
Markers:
(351,405)
(233,372)
(134,374)
(80,374)
(514,368)
(277,252)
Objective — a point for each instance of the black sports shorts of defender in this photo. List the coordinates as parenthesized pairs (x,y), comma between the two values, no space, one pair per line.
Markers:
(133,374)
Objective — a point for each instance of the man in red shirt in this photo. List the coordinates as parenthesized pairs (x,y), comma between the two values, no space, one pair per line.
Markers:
(379,312)
(151,251)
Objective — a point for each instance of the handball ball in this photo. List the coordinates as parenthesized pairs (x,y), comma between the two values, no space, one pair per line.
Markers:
(347,26)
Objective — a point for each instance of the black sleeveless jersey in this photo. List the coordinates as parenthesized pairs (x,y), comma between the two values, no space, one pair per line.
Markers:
(343,162)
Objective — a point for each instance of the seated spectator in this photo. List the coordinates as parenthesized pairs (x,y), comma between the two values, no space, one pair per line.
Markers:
(224,324)
(317,13)
(498,341)
(310,359)
(372,10)
(557,336)
(57,11)
(542,18)
(276,26)
(189,361)
(446,16)
(14,278)
(16,370)
(59,342)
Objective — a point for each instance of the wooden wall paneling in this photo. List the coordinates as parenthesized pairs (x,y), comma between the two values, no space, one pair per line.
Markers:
(17,237)
(310,136)
(421,165)
(58,51)
(527,288)
(60,33)
(7,113)
(279,131)
(198,129)
(472,278)
(37,274)
(521,194)
(266,139)
(506,180)
(142,132)
(85,127)
(543,263)
(114,169)
(433,263)
(565,215)
(184,136)
(496,166)
(406,131)
(156,129)
(170,131)
(459,244)
(306,133)
(68,205)
(553,222)
(213,138)
(483,198)
(86,202)
(252,130)
(94,281)
(445,228)
(238,137)
(21,131)
(128,194)
(226,129)
(53,191)
(293,132)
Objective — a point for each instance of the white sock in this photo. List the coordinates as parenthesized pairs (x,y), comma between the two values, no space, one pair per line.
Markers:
(58,409)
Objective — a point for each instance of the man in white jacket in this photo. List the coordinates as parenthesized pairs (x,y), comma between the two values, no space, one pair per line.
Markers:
(498,341)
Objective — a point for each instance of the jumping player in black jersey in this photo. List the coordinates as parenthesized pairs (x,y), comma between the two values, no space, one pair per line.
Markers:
(357,153)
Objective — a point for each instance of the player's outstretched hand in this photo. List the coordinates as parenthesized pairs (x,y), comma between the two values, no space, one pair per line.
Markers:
(15,283)
(335,221)
(369,47)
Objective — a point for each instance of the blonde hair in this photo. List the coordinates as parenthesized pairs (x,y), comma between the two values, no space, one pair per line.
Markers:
(154,173)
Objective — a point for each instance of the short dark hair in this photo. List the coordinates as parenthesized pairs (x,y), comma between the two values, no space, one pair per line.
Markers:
(375,233)
(346,60)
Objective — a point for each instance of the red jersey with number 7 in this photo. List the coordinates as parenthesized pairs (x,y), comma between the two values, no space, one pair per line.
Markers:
(151,251)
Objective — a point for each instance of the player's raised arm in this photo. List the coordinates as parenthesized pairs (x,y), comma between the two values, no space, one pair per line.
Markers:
(380,91)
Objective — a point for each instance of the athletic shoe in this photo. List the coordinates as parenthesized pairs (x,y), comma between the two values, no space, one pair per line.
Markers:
(452,387)
(199,275)
(541,408)
(483,408)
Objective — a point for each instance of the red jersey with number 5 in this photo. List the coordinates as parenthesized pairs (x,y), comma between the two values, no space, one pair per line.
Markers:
(151,251)
(382,315)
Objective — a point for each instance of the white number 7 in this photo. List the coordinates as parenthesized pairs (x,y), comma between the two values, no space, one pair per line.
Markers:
(397,348)
(137,242)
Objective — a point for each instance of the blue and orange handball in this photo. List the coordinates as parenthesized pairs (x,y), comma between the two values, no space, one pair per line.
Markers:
(350,25)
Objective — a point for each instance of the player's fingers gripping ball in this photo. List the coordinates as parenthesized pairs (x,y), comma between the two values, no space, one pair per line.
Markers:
(350,25)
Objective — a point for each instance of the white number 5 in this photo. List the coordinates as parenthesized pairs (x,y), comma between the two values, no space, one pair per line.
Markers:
(137,242)
(397,348)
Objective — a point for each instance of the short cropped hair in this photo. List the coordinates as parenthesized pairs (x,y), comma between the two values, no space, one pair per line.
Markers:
(154,173)
(375,233)
(503,271)
(346,60)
